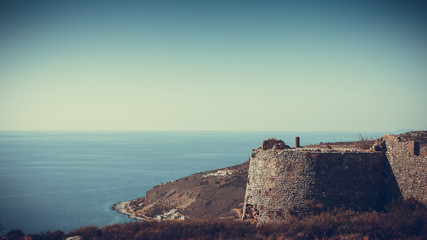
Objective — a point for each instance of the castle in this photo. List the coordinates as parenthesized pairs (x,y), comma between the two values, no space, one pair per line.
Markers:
(284,181)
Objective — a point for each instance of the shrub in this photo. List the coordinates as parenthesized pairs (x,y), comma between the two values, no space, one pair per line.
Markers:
(401,220)
(364,143)
(56,235)
(15,235)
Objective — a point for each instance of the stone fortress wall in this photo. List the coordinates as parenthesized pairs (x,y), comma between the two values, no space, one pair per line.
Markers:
(408,160)
(285,182)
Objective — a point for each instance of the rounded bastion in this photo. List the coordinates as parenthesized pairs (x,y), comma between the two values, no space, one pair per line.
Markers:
(284,182)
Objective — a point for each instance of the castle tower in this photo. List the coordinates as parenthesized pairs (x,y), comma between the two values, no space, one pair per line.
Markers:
(285,182)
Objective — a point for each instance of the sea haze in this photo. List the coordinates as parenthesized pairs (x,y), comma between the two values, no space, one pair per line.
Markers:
(64,180)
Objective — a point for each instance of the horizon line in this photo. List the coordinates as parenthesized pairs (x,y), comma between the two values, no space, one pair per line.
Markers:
(202,130)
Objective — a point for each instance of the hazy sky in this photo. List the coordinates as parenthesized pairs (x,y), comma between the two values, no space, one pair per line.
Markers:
(213,65)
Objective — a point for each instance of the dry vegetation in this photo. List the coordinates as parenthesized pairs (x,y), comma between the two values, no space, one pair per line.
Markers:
(364,142)
(404,220)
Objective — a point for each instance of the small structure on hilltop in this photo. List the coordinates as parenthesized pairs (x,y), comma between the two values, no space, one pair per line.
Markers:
(284,181)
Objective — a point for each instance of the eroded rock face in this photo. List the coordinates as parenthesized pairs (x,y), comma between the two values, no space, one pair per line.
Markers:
(274,143)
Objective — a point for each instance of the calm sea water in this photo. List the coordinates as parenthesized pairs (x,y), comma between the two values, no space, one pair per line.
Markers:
(64,180)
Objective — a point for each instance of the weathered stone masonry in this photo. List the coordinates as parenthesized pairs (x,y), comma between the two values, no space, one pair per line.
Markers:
(408,160)
(285,182)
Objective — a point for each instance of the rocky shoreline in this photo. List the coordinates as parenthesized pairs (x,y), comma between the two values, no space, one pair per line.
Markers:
(123,208)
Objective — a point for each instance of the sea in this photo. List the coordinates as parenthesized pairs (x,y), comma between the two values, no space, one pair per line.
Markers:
(64,180)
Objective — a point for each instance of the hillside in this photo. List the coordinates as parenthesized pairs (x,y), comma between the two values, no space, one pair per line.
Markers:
(211,194)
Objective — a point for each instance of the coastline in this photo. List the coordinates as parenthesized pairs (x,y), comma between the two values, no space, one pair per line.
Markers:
(123,208)
(211,194)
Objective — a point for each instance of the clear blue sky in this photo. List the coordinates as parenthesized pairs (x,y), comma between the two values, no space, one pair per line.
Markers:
(213,65)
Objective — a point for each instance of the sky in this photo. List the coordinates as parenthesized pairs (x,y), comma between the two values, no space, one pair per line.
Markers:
(213,65)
